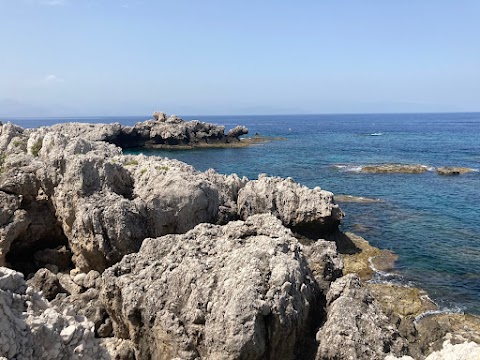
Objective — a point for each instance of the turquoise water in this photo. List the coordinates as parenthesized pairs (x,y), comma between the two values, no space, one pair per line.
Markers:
(430,221)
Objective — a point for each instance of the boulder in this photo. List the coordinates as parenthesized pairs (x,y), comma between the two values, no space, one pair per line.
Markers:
(46,282)
(160,116)
(237,131)
(306,211)
(239,291)
(31,328)
(356,327)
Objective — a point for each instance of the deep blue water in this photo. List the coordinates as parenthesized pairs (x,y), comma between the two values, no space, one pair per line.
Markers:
(430,221)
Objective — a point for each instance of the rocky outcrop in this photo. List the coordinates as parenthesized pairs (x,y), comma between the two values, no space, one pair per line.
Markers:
(356,327)
(395,168)
(453,170)
(66,190)
(171,131)
(449,351)
(241,291)
(416,317)
(220,274)
(237,131)
(32,329)
(401,169)
(306,211)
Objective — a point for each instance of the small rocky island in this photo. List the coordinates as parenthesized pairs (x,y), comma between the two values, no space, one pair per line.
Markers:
(112,256)
(162,132)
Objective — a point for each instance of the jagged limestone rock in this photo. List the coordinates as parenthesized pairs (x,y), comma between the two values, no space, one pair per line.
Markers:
(239,291)
(307,211)
(356,327)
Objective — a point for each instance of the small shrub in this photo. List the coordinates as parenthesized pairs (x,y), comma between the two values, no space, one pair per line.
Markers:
(162,168)
(3,157)
(143,171)
(130,162)
(36,148)
(17,143)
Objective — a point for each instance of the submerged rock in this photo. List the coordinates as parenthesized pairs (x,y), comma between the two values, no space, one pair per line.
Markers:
(356,199)
(395,168)
(363,259)
(452,170)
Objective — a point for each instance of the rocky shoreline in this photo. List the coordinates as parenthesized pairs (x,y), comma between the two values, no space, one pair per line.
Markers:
(135,257)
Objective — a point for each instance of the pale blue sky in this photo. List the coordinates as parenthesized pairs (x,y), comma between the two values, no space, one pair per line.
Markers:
(129,57)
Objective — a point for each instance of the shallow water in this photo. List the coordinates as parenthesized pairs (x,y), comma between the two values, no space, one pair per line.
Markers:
(430,221)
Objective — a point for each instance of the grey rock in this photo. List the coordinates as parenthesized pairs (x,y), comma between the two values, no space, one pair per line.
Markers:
(46,282)
(325,262)
(159,116)
(31,328)
(307,211)
(242,290)
(356,327)
(164,131)
(80,192)
(237,131)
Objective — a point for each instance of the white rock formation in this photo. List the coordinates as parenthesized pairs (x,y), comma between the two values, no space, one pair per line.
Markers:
(30,328)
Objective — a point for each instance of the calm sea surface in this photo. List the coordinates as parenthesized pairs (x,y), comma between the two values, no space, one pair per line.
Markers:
(430,221)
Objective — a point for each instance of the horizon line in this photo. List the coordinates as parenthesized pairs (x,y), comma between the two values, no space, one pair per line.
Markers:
(266,114)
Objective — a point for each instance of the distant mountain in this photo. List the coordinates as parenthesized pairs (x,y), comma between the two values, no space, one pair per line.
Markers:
(10,108)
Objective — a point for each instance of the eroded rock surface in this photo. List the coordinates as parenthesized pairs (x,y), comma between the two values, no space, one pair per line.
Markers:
(237,286)
(64,188)
(356,327)
(239,291)
(305,210)
(32,329)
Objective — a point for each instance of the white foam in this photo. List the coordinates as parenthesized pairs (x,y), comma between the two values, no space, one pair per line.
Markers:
(376,134)
(349,168)
(383,277)
(437,312)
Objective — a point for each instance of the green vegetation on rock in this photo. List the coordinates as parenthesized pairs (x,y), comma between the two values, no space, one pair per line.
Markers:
(36,147)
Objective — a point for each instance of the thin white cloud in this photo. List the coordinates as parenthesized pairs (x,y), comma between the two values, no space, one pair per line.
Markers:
(51,78)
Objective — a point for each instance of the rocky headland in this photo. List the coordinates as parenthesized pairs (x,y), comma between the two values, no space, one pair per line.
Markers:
(162,132)
(112,256)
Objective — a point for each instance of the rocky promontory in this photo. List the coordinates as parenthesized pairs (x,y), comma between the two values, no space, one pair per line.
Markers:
(161,132)
(112,256)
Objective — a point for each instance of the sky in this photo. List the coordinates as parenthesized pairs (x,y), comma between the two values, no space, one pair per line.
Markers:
(129,57)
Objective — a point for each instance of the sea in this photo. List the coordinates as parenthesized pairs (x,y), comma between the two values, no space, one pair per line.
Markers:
(431,222)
